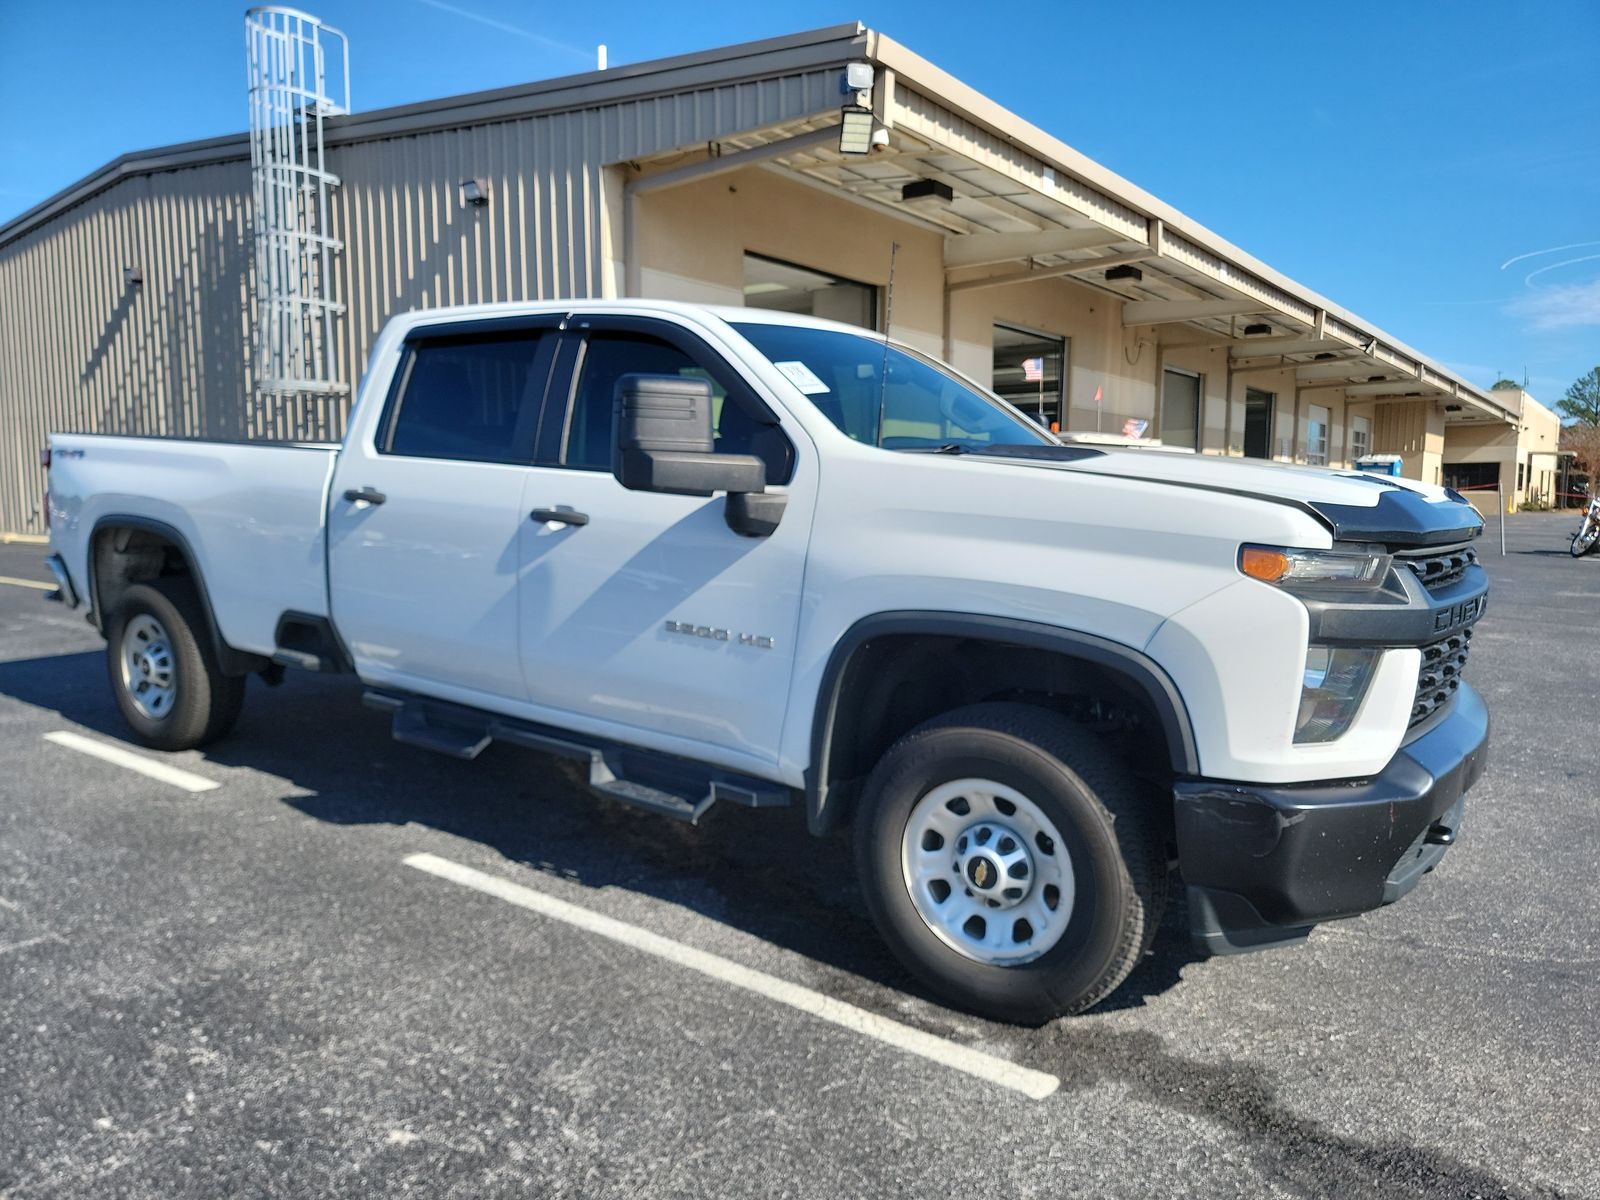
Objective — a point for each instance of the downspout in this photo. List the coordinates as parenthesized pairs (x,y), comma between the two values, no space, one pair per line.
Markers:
(630,240)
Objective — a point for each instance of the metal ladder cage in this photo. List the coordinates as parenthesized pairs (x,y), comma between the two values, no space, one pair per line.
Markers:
(296,349)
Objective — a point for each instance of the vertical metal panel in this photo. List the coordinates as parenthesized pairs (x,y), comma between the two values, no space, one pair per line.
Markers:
(80,351)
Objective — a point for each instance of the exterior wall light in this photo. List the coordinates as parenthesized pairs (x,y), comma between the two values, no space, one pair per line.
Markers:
(1259,330)
(855,130)
(132,277)
(474,193)
(1123,272)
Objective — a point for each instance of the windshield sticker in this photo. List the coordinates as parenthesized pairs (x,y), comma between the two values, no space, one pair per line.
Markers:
(803,377)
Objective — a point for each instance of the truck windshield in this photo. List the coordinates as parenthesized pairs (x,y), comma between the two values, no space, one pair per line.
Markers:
(919,406)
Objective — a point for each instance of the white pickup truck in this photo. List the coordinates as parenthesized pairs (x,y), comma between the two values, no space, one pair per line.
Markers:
(738,555)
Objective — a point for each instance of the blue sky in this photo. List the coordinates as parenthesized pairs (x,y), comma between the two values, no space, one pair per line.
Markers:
(1392,156)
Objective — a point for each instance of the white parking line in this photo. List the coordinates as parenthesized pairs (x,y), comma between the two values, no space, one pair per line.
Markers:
(132,761)
(1036,1084)
(27,583)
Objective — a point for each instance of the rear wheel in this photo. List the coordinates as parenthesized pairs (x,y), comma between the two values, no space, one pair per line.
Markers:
(1009,862)
(163,670)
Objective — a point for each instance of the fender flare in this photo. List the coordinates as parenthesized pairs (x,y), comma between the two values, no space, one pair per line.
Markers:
(232,662)
(1138,668)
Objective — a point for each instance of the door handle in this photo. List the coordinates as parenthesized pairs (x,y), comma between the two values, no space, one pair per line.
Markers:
(369,494)
(561,516)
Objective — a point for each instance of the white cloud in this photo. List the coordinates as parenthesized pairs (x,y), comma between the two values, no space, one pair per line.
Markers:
(1566,306)
(506,27)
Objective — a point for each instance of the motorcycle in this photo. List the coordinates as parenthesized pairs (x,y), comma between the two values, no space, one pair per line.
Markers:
(1589,531)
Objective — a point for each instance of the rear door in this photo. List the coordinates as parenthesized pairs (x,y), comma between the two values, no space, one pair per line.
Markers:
(425,517)
(653,614)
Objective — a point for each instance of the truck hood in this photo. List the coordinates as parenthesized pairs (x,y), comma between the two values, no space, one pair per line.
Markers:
(1354,505)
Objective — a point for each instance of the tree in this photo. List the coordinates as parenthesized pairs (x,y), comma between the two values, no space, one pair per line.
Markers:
(1583,441)
(1582,401)
(1505,385)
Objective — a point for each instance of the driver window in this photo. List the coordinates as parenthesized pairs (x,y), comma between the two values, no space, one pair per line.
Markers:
(607,357)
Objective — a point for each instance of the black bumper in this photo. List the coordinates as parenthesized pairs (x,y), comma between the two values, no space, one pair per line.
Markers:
(1264,863)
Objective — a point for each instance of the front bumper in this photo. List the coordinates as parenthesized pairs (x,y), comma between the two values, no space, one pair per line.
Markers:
(1265,863)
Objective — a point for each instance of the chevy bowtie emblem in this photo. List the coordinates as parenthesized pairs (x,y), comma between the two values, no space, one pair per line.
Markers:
(980,873)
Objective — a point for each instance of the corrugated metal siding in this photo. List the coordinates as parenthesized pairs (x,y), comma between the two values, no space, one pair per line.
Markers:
(80,352)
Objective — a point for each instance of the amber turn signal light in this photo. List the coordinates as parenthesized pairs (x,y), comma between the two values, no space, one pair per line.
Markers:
(1269,566)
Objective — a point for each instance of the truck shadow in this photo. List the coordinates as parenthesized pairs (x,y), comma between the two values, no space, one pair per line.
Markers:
(756,871)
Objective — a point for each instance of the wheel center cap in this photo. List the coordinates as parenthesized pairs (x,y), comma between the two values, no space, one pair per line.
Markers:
(994,864)
(982,872)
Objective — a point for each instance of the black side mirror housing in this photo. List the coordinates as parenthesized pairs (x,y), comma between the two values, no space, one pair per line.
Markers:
(664,441)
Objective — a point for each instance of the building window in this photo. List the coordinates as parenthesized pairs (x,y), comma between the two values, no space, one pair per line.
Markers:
(1028,371)
(1521,469)
(769,283)
(1317,424)
(1360,437)
(1462,476)
(1180,409)
(1258,423)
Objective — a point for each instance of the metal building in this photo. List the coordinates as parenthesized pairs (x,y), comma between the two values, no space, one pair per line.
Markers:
(128,301)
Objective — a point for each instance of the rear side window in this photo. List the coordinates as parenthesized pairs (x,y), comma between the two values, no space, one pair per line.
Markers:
(740,424)
(469,398)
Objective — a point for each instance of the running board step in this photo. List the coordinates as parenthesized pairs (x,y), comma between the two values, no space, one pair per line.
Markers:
(412,728)
(675,787)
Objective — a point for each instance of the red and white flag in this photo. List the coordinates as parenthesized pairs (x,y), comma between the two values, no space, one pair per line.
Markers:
(1033,370)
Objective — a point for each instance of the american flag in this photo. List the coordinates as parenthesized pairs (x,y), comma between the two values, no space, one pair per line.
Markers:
(1033,370)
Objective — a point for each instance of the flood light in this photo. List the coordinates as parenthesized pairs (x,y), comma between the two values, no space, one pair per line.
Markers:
(855,130)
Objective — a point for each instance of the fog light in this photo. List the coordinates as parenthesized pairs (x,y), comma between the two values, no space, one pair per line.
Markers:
(1334,685)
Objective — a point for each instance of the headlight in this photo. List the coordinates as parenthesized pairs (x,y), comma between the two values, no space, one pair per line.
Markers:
(1335,682)
(1358,570)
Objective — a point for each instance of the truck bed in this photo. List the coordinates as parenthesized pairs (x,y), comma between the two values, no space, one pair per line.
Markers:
(251,514)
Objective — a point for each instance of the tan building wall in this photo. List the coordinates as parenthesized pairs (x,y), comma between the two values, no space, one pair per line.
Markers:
(692,240)
(1415,431)
(1530,445)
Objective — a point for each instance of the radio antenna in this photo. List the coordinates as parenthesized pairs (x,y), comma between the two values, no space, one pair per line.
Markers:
(888,319)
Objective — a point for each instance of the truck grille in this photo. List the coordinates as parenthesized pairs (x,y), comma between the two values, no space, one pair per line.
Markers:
(1436,568)
(1440,675)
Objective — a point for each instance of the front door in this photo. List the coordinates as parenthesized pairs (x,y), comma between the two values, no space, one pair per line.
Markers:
(652,613)
(426,517)
(1258,423)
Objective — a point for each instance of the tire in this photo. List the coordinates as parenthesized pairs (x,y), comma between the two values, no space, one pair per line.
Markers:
(1586,538)
(163,669)
(1114,859)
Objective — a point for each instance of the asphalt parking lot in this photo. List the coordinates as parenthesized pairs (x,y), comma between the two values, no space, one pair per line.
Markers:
(247,990)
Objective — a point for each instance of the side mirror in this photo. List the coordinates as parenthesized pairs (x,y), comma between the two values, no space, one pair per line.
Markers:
(664,441)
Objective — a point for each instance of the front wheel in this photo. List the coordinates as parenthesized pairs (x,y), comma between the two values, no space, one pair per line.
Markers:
(164,672)
(1588,534)
(1009,861)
